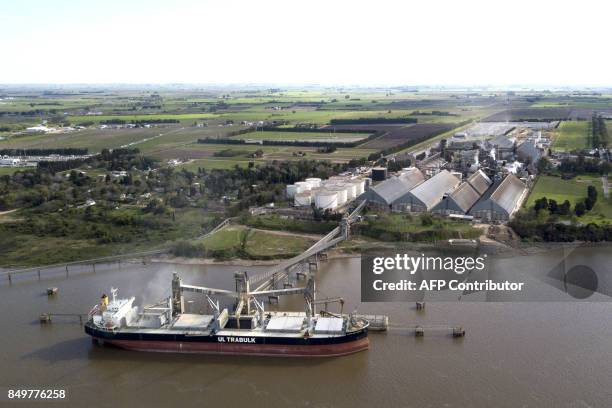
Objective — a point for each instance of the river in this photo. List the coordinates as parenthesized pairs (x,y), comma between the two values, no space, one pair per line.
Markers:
(556,354)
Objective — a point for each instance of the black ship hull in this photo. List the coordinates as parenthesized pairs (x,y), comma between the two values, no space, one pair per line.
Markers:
(268,345)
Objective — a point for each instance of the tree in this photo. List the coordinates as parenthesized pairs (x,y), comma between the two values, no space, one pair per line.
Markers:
(543,165)
(592,192)
(565,208)
(426,219)
(541,204)
(580,209)
(553,207)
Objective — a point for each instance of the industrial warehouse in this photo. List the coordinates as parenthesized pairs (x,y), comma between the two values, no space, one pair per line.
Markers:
(482,173)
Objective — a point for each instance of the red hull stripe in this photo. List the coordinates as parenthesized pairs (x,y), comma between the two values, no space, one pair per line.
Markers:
(327,350)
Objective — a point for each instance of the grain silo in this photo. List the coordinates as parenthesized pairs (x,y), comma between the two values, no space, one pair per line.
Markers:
(351,190)
(379,173)
(292,189)
(302,199)
(304,185)
(314,182)
(359,186)
(336,179)
(340,191)
(326,200)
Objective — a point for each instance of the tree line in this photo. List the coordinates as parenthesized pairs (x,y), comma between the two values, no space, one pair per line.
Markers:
(372,121)
(311,143)
(116,159)
(582,165)
(599,132)
(63,151)
(117,121)
(527,226)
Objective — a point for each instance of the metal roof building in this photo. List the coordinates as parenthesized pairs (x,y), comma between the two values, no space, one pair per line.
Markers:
(465,196)
(388,191)
(528,152)
(458,202)
(480,182)
(501,200)
(501,142)
(427,194)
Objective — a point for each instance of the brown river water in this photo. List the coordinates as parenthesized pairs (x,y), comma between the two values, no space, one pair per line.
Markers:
(556,354)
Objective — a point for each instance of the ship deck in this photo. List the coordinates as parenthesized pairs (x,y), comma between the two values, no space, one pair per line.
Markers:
(277,324)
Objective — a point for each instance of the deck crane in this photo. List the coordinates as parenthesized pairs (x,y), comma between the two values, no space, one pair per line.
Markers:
(243,295)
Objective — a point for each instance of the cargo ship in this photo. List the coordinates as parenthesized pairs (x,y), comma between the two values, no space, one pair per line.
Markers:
(248,330)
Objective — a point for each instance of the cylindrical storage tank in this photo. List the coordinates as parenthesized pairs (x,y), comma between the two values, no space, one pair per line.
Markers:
(326,200)
(314,182)
(302,199)
(340,191)
(359,186)
(305,186)
(379,173)
(314,190)
(291,190)
(351,190)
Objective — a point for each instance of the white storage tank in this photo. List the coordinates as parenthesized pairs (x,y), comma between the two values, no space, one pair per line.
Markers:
(314,190)
(359,186)
(351,190)
(314,182)
(291,190)
(341,193)
(302,199)
(336,179)
(304,185)
(326,200)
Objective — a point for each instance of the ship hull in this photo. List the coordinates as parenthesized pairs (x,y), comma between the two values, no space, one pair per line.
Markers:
(236,345)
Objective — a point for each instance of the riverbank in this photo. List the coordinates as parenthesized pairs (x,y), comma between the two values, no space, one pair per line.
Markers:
(493,247)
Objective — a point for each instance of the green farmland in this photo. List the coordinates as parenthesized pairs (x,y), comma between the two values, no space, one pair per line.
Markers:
(572,136)
(331,137)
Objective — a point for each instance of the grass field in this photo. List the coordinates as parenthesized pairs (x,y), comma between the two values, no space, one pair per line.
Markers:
(257,243)
(131,118)
(202,155)
(571,136)
(398,227)
(147,140)
(574,190)
(10,170)
(304,136)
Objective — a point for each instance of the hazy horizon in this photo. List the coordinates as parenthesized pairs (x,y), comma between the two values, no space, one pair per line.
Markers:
(306,86)
(447,43)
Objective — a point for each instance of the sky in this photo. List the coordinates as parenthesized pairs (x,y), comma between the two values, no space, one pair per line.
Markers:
(330,42)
